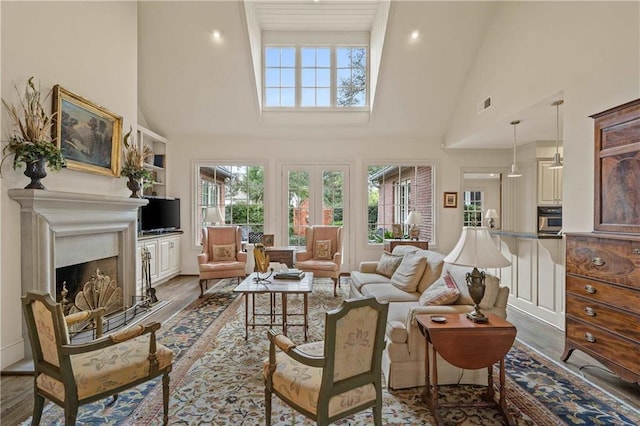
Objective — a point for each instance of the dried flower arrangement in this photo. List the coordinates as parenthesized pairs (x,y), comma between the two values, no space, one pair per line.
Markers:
(30,140)
(134,157)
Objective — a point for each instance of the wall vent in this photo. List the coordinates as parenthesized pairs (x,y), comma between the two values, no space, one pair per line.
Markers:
(484,104)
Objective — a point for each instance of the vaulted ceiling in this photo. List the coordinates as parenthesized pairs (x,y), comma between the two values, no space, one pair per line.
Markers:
(192,84)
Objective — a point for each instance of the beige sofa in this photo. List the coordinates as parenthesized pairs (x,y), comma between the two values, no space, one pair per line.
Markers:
(404,354)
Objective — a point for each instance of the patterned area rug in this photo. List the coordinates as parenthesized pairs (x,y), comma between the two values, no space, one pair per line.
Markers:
(217,379)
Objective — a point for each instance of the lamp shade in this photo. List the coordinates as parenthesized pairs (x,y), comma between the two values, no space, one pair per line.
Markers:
(476,248)
(213,215)
(491,214)
(414,218)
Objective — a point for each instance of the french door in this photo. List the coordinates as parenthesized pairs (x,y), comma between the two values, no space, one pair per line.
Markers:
(314,195)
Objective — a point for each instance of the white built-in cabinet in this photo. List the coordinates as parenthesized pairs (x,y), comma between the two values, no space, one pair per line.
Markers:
(165,257)
(156,163)
(549,184)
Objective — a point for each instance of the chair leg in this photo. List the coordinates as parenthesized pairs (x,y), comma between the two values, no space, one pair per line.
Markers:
(202,282)
(377,414)
(165,398)
(336,282)
(70,414)
(267,406)
(38,406)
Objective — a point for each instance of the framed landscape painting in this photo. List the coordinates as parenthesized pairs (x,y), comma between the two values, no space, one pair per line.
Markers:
(88,135)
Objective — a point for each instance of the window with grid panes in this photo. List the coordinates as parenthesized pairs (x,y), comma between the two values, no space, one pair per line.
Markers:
(472,210)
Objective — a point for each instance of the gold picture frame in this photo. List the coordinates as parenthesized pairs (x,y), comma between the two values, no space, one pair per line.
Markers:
(267,240)
(88,135)
(450,199)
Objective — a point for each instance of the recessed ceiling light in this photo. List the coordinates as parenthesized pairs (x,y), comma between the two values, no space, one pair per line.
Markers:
(216,35)
(415,34)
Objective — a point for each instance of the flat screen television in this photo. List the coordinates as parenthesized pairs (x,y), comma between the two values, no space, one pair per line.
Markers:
(160,215)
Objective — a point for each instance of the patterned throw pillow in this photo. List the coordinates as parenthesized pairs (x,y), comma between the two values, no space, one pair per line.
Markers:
(442,292)
(388,264)
(323,250)
(225,252)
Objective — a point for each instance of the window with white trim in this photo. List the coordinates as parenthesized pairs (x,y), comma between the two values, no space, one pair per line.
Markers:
(393,192)
(472,210)
(306,76)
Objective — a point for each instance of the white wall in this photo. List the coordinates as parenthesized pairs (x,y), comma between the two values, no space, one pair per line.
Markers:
(533,50)
(89,48)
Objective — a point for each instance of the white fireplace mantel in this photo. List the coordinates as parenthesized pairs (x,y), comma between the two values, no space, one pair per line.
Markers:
(58,226)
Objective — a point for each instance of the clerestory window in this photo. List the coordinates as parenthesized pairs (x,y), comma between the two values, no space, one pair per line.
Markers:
(315,77)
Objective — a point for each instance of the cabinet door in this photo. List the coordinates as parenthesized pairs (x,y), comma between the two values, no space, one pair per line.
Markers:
(174,255)
(152,246)
(165,256)
(549,184)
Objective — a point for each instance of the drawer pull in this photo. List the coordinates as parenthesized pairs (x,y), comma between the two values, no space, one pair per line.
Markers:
(590,311)
(590,337)
(597,261)
(589,289)
(636,251)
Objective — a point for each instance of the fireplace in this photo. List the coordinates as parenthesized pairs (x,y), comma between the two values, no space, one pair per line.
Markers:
(71,280)
(60,229)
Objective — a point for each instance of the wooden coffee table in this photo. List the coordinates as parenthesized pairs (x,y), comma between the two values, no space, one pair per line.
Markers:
(467,345)
(251,287)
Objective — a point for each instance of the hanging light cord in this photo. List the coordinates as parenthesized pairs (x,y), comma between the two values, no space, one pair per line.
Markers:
(515,123)
(557,124)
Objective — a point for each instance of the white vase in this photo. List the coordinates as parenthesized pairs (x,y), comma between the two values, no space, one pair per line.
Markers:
(251,261)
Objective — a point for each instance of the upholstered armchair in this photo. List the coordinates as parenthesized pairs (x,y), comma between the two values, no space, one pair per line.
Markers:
(341,375)
(71,375)
(323,255)
(222,255)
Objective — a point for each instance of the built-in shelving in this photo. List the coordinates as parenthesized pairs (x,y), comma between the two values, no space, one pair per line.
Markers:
(157,162)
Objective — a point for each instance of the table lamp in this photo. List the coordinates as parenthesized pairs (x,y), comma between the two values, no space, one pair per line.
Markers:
(476,248)
(491,215)
(414,219)
(213,215)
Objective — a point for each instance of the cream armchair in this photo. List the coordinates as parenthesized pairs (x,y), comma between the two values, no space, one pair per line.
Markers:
(71,375)
(334,378)
(323,255)
(222,255)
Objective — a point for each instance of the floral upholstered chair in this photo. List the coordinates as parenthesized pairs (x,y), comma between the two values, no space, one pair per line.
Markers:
(222,255)
(323,255)
(334,378)
(72,375)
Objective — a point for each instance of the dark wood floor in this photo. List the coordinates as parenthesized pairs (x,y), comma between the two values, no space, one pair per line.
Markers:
(16,397)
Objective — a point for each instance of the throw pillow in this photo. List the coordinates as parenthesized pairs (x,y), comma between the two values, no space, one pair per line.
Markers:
(224,252)
(409,271)
(388,264)
(323,250)
(442,292)
(491,288)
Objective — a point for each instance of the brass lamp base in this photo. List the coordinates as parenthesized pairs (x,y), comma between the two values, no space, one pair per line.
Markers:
(477,317)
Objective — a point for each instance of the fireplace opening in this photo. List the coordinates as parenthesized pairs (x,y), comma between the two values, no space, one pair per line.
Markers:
(74,279)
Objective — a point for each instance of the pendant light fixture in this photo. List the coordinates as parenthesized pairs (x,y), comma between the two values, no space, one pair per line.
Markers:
(514,166)
(557,160)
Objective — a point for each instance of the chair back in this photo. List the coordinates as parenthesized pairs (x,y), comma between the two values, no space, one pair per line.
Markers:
(317,234)
(354,342)
(47,330)
(221,236)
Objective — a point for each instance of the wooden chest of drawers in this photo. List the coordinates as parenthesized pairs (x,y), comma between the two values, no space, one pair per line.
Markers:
(603,300)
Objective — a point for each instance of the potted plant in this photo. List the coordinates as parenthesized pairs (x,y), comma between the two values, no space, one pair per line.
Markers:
(30,141)
(133,167)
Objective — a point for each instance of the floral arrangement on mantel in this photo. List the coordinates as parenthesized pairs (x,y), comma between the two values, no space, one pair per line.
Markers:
(30,140)
(134,157)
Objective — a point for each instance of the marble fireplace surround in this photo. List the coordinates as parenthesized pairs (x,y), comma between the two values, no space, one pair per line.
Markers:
(64,228)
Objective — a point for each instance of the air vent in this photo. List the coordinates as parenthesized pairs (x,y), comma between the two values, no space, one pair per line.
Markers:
(484,104)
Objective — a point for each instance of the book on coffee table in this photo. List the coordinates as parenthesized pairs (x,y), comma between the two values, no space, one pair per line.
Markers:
(289,274)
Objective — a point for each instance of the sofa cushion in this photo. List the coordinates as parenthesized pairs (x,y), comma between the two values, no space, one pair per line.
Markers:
(224,252)
(388,264)
(443,292)
(401,250)
(388,293)
(409,271)
(359,279)
(433,269)
(492,286)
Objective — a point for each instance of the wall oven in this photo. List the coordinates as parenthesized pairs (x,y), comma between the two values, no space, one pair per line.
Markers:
(549,220)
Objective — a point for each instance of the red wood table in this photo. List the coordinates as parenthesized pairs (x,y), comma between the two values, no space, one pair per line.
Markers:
(467,345)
